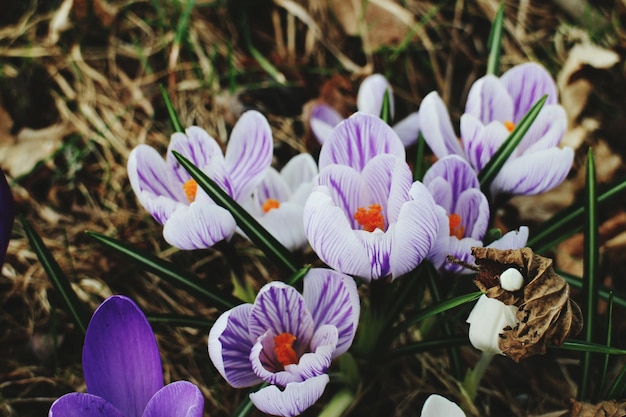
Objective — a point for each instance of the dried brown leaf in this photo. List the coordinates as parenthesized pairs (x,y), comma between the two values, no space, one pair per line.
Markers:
(545,311)
(610,408)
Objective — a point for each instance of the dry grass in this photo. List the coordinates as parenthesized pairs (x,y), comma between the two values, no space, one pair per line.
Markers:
(94,71)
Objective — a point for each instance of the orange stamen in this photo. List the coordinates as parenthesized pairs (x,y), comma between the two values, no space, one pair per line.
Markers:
(456,228)
(270,204)
(509,125)
(190,188)
(283,346)
(371,218)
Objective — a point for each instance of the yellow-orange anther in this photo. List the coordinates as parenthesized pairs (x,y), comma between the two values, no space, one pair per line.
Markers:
(283,346)
(370,218)
(509,125)
(270,204)
(456,228)
(191,188)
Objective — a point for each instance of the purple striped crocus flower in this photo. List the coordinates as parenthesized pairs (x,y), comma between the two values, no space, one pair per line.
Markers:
(287,339)
(190,218)
(369,100)
(7,215)
(278,202)
(366,217)
(122,369)
(494,107)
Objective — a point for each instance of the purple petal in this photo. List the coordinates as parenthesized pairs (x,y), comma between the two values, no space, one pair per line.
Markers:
(78,404)
(527,83)
(181,398)
(293,400)
(197,146)
(286,225)
(249,153)
(546,131)
(229,347)
(514,239)
(436,127)
(332,298)
(460,249)
(534,173)
(300,169)
(439,251)
(408,129)
(415,232)
(150,179)
(332,237)
(441,190)
(199,225)
(311,364)
(438,406)
(456,171)
(7,215)
(371,93)
(274,186)
(323,120)
(121,359)
(387,179)
(355,141)
(473,208)
(481,142)
(378,246)
(281,309)
(489,101)
(344,185)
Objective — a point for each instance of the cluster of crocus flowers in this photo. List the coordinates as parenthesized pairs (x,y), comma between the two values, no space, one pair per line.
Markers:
(123,373)
(287,340)
(191,219)
(7,215)
(494,107)
(370,98)
(366,216)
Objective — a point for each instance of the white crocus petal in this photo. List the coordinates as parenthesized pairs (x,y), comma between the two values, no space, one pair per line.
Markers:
(149,176)
(511,279)
(534,173)
(438,406)
(408,129)
(436,127)
(481,141)
(487,320)
(332,237)
(285,224)
(300,169)
(514,239)
(370,96)
(489,101)
(293,400)
(377,245)
(198,147)
(198,226)
(461,249)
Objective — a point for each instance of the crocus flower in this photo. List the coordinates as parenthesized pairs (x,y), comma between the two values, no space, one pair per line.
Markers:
(366,216)
(123,371)
(369,100)
(278,201)
(287,339)
(191,220)
(487,320)
(438,406)
(494,107)
(7,215)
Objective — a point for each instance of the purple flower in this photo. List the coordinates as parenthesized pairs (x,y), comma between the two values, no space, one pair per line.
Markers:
(287,339)
(123,371)
(191,220)
(366,216)
(494,107)
(7,215)
(278,201)
(369,100)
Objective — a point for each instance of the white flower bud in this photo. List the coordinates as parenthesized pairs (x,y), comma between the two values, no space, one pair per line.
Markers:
(511,280)
(437,406)
(487,320)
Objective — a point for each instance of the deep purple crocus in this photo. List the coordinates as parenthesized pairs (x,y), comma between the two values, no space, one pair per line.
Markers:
(366,217)
(287,340)
(7,215)
(123,373)
(369,100)
(494,107)
(191,219)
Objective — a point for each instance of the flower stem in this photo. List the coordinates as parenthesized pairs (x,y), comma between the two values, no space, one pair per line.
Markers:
(473,377)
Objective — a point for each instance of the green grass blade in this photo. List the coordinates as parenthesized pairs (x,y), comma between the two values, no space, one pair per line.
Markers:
(582,346)
(57,277)
(577,282)
(429,345)
(420,165)
(609,341)
(180,321)
(183,23)
(434,310)
(495,42)
(245,407)
(590,282)
(569,220)
(385,110)
(491,169)
(617,388)
(300,274)
(272,248)
(266,65)
(205,291)
(176,125)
